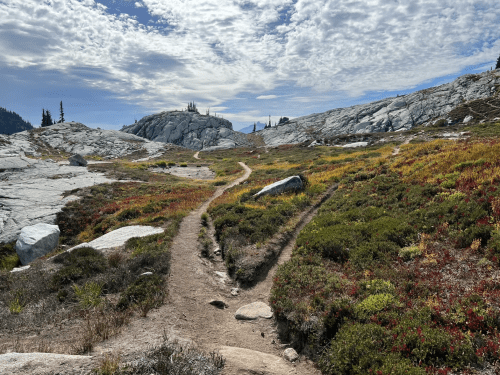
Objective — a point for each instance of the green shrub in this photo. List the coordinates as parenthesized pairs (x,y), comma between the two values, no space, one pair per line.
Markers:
(147,290)
(373,304)
(18,301)
(355,350)
(161,164)
(78,264)
(409,252)
(171,164)
(183,165)
(220,183)
(128,214)
(377,286)
(8,257)
(204,219)
(89,295)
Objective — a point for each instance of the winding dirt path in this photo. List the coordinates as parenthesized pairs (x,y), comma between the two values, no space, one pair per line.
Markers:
(250,347)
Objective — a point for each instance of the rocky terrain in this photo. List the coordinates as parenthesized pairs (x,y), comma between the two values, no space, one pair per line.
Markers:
(189,129)
(31,189)
(391,114)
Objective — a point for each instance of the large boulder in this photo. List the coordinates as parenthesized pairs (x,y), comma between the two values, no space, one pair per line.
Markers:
(290,183)
(36,241)
(77,160)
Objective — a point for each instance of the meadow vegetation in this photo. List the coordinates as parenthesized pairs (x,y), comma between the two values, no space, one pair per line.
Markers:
(397,274)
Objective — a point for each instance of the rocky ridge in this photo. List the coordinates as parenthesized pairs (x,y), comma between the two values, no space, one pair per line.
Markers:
(189,129)
(391,114)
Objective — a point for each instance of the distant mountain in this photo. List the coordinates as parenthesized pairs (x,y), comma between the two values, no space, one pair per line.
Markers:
(11,122)
(249,129)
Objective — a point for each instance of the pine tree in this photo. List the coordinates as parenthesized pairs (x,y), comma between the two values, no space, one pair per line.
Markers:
(254,127)
(61,118)
(498,63)
(49,118)
(44,119)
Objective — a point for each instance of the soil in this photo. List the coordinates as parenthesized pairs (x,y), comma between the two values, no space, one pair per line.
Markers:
(188,317)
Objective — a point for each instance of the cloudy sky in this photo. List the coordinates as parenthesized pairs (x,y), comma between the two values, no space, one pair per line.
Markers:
(114,61)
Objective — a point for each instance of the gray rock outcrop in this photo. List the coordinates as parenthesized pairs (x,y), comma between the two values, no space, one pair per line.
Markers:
(189,129)
(253,311)
(77,160)
(292,183)
(391,114)
(31,191)
(35,241)
(76,138)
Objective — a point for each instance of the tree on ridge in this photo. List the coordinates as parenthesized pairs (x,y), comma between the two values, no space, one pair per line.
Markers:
(61,118)
(498,63)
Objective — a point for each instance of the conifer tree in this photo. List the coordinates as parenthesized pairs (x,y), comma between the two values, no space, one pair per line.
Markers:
(254,127)
(49,118)
(44,119)
(498,63)
(61,118)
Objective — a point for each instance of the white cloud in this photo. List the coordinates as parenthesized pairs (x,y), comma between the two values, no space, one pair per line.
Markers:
(138,5)
(212,50)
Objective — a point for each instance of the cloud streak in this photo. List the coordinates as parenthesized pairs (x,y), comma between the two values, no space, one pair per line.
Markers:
(210,51)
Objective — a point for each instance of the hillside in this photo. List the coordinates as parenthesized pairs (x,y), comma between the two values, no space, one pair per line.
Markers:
(385,262)
(11,122)
(392,114)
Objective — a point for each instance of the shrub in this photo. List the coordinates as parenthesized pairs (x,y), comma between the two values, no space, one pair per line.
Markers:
(171,358)
(80,263)
(161,164)
(88,295)
(204,219)
(147,291)
(374,304)
(183,165)
(171,164)
(8,257)
(409,253)
(129,213)
(377,286)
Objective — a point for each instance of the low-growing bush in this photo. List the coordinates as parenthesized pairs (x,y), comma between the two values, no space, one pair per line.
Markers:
(373,304)
(147,291)
(89,295)
(409,253)
(78,264)
(8,257)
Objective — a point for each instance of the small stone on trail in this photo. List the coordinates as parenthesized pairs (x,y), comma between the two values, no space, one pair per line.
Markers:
(235,291)
(146,274)
(77,160)
(290,354)
(217,251)
(219,304)
(253,311)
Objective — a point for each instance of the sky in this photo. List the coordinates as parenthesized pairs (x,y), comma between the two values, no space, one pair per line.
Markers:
(111,62)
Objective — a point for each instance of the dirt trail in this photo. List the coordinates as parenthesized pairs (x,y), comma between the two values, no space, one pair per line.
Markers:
(188,316)
(396,149)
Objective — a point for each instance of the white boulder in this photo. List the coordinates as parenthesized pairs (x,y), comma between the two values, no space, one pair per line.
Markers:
(36,241)
(290,183)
